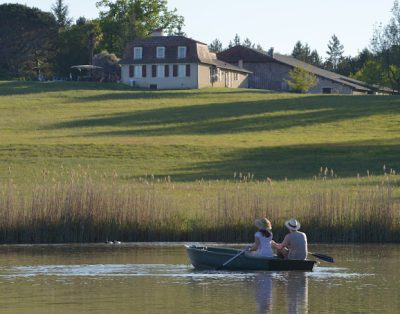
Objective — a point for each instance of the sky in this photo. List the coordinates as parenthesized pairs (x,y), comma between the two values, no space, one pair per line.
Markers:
(270,23)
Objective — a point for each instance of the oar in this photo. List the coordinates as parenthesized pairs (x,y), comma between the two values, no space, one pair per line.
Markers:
(230,260)
(323,257)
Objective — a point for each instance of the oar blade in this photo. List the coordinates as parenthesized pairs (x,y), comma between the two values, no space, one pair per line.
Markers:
(324,257)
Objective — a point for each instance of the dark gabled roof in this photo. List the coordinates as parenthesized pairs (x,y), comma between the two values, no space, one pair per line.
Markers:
(239,52)
(165,40)
(171,43)
(224,65)
(251,55)
(341,79)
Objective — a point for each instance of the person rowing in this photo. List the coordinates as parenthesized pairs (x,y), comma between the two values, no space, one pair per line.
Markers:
(262,238)
(294,245)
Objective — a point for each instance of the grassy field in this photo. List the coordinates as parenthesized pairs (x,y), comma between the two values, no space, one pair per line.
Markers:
(87,162)
(190,135)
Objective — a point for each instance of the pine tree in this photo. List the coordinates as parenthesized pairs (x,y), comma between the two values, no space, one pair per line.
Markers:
(60,12)
(215,46)
(236,40)
(247,43)
(335,53)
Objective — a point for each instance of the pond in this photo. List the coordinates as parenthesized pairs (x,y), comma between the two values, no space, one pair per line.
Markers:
(157,278)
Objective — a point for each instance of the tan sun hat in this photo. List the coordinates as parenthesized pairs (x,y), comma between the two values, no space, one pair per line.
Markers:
(292,224)
(263,224)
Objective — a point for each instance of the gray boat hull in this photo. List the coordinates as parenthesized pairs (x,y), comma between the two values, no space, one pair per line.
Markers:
(203,257)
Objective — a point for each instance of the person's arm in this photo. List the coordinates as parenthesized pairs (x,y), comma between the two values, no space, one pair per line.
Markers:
(280,246)
(256,245)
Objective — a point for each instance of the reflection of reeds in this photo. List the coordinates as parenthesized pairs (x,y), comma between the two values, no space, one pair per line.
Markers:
(81,209)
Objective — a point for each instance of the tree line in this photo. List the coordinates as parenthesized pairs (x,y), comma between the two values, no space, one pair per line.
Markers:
(377,65)
(36,44)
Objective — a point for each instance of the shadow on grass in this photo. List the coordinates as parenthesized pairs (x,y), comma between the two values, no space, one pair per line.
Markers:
(240,116)
(117,91)
(297,162)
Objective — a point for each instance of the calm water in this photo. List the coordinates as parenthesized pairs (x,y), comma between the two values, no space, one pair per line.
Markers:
(142,278)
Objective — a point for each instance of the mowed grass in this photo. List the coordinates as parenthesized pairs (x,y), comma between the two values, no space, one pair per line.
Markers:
(194,134)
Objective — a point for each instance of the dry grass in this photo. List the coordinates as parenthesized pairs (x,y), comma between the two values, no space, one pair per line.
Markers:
(81,209)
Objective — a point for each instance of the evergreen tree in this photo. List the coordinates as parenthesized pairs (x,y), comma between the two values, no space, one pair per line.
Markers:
(60,12)
(236,40)
(315,59)
(215,46)
(335,54)
(247,43)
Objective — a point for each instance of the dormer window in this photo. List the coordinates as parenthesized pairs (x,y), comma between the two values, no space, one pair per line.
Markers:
(160,52)
(181,52)
(137,53)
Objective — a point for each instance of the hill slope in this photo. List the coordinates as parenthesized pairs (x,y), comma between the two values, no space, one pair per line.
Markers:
(193,134)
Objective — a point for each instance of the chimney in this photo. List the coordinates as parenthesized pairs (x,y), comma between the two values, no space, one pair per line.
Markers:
(271,52)
(159,32)
(240,64)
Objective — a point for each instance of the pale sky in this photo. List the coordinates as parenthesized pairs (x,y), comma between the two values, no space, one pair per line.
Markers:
(277,24)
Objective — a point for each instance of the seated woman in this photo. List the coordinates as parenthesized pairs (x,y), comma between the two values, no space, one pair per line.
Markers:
(262,238)
(294,245)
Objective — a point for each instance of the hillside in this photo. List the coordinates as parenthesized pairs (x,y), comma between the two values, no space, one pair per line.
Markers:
(192,134)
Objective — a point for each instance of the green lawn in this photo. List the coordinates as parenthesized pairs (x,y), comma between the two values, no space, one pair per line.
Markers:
(194,134)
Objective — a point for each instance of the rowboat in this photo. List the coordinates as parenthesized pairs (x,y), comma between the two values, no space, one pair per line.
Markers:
(203,257)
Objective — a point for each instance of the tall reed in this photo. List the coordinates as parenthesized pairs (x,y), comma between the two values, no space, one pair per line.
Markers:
(78,208)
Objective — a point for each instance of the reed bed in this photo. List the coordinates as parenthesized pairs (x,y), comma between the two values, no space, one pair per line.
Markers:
(78,208)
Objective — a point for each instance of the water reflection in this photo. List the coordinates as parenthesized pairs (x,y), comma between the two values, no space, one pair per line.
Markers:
(291,287)
(297,292)
(264,292)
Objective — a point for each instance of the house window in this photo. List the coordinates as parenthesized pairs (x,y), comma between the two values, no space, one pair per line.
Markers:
(160,70)
(144,70)
(181,52)
(166,70)
(154,70)
(137,53)
(182,70)
(138,71)
(175,70)
(160,52)
(131,70)
(236,76)
(326,90)
(187,70)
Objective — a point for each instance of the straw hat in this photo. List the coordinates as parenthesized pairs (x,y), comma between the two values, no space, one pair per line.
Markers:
(263,224)
(292,224)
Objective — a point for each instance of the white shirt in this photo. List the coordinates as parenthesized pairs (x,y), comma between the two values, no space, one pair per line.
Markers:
(264,249)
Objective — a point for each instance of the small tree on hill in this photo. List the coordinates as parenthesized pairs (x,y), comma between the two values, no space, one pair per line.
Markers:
(301,80)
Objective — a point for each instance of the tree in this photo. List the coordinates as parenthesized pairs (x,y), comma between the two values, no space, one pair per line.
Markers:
(124,20)
(301,52)
(60,12)
(304,53)
(109,63)
(77,45)
(247,43)
(315,59)
(27,41)
(215,46)
(301,80)
(386,45)
(372,73)
(335,53)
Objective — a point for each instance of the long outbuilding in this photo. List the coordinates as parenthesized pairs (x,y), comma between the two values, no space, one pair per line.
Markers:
(272,72)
